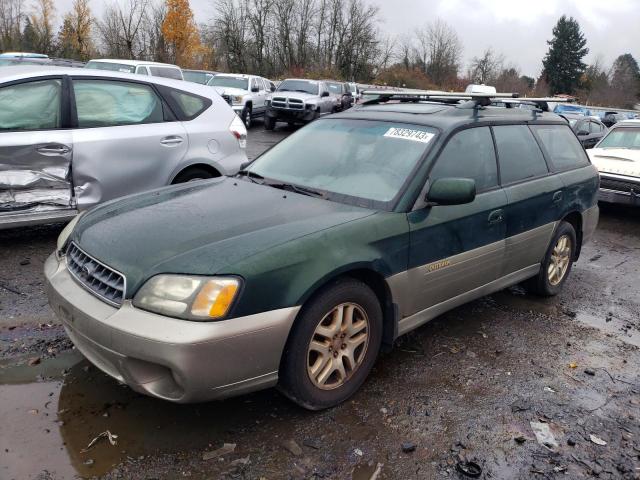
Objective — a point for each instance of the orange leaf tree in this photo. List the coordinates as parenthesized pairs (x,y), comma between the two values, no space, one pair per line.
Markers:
(182,35)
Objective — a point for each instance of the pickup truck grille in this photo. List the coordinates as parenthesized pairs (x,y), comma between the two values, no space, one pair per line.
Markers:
(290,103)
(619,185)
(102,281)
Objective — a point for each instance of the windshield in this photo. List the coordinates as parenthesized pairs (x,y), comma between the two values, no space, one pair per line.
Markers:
(298,86)
(229,82)
(360,159)
(114,67)
(622,137)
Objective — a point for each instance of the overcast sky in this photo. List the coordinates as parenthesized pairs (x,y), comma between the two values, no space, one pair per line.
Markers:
(516,28)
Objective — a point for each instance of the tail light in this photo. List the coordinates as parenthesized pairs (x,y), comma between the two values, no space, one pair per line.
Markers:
(239,131)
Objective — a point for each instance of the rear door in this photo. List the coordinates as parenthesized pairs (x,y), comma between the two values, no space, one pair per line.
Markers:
(457,248)
(35,148)
(535,197)
(126,140)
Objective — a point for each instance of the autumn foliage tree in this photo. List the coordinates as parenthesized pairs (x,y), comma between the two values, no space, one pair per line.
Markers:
(41,20)
(75,34)
(181,34)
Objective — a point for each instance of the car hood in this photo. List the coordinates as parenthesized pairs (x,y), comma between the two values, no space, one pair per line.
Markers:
(621,161)
(230,91)
(201,227)
(297,95)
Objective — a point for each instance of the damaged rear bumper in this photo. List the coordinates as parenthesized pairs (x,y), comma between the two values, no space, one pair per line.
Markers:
(176,360)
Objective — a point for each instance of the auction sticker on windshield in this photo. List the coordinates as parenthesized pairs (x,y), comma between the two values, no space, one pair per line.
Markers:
(409,134)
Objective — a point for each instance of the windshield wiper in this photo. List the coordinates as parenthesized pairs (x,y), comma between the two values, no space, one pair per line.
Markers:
(252,176)
(311,192)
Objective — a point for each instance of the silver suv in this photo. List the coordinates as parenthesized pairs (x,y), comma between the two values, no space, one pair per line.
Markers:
(73,138)
(298,101)
(247,94)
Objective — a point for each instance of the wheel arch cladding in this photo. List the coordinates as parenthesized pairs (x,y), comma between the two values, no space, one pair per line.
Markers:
(375,280)
(574,218)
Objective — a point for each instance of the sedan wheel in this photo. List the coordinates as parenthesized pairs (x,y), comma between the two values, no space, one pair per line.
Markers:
(338,346)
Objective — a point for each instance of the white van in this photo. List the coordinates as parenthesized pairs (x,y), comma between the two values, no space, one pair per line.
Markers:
(140,67)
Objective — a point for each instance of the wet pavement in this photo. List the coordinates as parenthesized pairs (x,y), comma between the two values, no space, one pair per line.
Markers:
(458,394)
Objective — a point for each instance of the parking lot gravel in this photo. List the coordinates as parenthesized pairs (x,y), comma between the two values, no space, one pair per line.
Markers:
(510,386)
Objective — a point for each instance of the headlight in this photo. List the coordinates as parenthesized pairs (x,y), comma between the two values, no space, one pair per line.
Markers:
(188,297)
(67,231)
(236,99)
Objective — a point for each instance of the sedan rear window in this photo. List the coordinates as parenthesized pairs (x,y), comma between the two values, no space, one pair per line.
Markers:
(166,72)
(344,158)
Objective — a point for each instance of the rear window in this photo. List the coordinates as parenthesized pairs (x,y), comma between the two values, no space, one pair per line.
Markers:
(561,146)
(519,155)
(188,105)
(166,72)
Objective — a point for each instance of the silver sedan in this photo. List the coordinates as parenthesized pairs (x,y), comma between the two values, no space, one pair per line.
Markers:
(73,138)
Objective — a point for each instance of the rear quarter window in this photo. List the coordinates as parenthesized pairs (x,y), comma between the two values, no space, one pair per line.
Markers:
(561,146)
(186,105)
(519,155)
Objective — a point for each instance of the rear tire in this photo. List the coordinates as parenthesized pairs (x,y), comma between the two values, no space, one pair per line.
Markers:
(332,346)
(193,174)
(269,123)
(556,264)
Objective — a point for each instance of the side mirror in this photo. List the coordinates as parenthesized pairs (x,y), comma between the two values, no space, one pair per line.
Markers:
(325,94)
(255,89)
(452,191)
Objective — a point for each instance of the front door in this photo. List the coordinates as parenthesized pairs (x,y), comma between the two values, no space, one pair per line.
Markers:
(124,143)
(35,150)
(456,249)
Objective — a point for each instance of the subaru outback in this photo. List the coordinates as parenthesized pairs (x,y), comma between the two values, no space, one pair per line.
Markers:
(353,231)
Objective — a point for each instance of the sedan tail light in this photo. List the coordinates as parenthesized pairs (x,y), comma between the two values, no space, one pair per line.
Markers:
(239,131)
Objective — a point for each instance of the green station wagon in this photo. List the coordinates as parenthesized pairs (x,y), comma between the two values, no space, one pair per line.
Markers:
(349,233)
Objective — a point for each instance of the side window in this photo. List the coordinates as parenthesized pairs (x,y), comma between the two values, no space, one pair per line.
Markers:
(254,83)
(31,105)
(107,103)
(561,146)
(189,104)
(519,155)
(595,127)
(469,154)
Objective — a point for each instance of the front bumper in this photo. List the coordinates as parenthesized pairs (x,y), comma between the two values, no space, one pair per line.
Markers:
(289,115)
(172,359)
(619,189)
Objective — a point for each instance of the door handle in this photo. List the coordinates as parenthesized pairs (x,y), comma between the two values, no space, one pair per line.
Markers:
(557,197)
(496,216)
(171,141)
(53,149)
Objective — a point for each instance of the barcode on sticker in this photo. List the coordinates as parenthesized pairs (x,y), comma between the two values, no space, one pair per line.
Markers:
(409,134)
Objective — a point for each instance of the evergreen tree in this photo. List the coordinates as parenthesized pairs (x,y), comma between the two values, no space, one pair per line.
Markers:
(29,39)
(563,65)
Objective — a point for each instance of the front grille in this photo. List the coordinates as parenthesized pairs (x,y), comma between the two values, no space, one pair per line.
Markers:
(290,103)
(102,281)
(619,185)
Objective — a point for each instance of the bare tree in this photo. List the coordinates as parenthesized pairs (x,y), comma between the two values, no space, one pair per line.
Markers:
(486,68)
(438,52)
(11,18)
(42,19)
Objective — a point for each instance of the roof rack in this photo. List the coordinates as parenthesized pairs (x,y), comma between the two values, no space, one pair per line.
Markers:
(475,99)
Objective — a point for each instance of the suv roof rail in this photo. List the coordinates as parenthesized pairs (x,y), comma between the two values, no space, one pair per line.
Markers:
(478,99)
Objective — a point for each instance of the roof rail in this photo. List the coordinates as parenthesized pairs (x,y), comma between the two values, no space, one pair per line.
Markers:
(477,99)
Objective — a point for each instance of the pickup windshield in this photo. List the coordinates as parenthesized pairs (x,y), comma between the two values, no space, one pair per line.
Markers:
(622,137)
(229,82)
(298,86)
(360,162)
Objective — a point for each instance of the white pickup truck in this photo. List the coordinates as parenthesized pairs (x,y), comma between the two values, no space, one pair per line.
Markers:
(247,94)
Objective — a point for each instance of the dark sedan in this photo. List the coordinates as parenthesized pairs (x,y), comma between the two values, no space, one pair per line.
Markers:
(588,129)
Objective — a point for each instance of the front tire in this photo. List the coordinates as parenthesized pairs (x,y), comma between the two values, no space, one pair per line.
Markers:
(332,346)
(246,116)
(556,264)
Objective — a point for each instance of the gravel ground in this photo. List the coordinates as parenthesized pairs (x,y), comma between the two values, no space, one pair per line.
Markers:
(464,392)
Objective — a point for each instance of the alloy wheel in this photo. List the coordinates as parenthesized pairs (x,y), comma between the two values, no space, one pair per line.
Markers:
(560,260)
(338,346)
